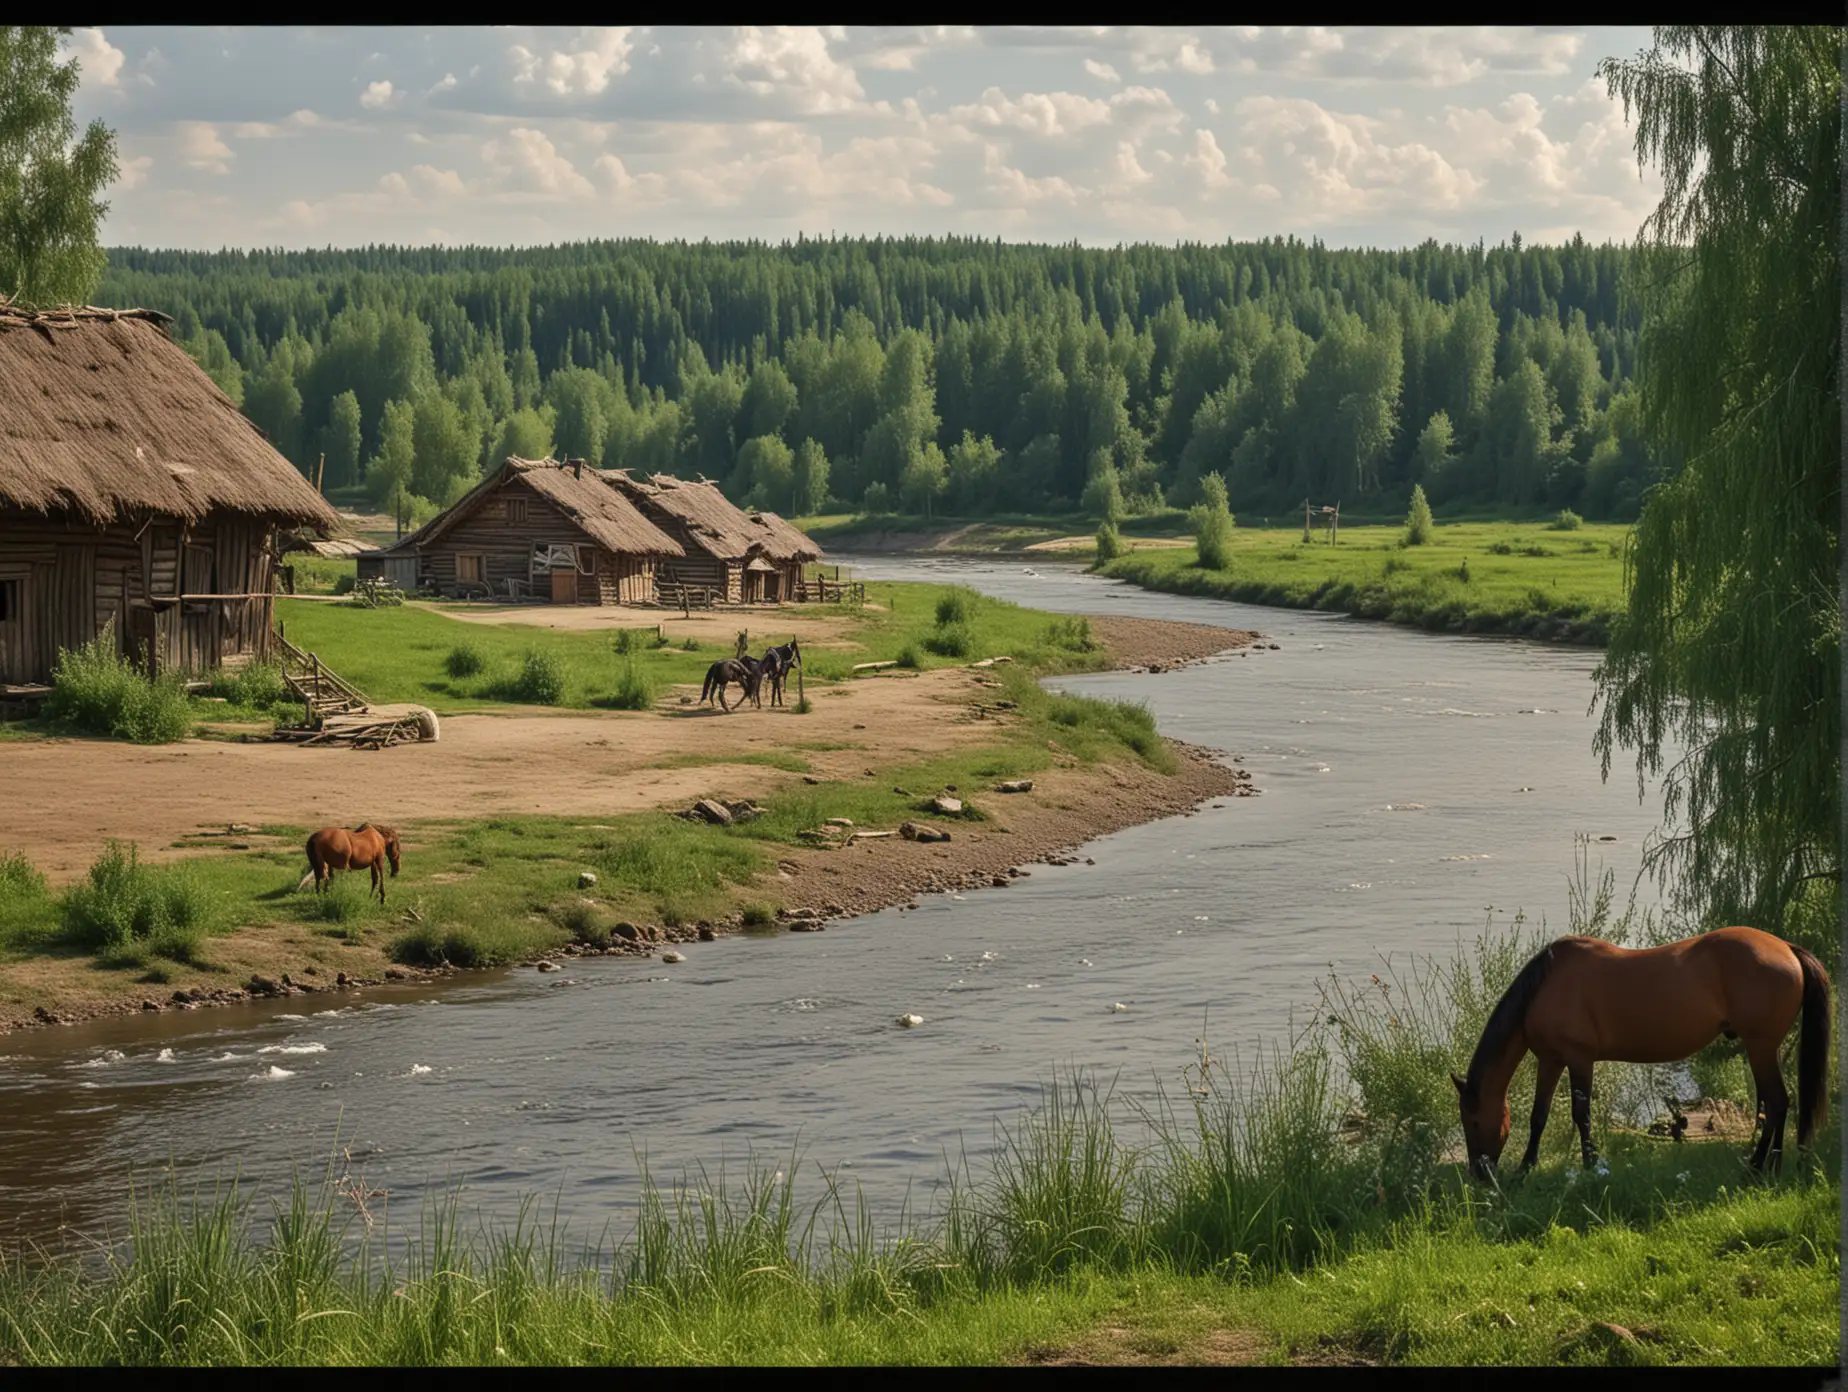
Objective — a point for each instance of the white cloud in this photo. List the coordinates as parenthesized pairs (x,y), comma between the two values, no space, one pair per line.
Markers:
(584,67)
(448,82)
(1103,72)
(527,159)
(377,95)
(134,171)
(1037,113)
(200,147)
(1209,160)
(98,60)
(1212,107)
(792,65)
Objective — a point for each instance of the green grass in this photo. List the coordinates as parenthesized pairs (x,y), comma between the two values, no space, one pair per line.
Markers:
(1516,578)
(97,691)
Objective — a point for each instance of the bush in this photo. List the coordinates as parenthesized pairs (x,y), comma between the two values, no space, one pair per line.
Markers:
(1567,521)
(26,909)
(541,680)
(98,691)
(909,656)
(758,916)
(124,903)
(1109,545)
(345,584)
(1463,571)
(1212,524)
(951,640)
(465,660)
(635,689)
(1395,565)
(956,607)
(1418,523)
(584,922)
(1074,633)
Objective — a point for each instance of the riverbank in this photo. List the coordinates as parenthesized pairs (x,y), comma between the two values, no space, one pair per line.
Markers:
(556,797)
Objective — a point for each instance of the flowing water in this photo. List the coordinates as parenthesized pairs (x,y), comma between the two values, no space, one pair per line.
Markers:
(1413,785)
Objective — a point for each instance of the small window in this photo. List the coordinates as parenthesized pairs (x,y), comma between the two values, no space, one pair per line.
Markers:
(516,512)
(468,568)
(9,600)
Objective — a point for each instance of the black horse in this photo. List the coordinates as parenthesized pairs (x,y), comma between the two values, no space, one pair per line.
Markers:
(748,672)
(776,665)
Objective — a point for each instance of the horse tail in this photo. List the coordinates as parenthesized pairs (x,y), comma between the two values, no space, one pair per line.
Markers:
(1813,1049)
(705,692)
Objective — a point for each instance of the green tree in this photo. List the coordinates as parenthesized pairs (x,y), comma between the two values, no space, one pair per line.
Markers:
(973,469)
(1103,494)
(1431,456)
(578,395)
(273,403)
(526,434)
(49,210)
(1109,546)
(810,483)
(388,473)
(1724,672)
(340,441)
(1418,524)
(1212,524)
(765,476)
(769,400)
(925,477)
(443,454)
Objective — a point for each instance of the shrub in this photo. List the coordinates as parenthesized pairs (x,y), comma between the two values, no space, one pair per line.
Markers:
(124,903)
(951,640)
(26,909)
(634,690)
(1501,548)
(1109,545)
(465,660)
(1418,523)
(1463,571)
(584,922)
(758,916)
(1074,633)
(1212,524)
(256,685)
(541,680)
(956,607)
(1394,565)
(345,584)
(909,656)
(1567,521)
(98,691)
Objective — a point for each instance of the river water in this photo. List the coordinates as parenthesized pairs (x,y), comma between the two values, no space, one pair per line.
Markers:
(1415,788)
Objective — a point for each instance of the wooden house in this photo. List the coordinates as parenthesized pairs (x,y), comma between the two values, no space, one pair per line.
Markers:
(734,556)
(136,502)
(533,529)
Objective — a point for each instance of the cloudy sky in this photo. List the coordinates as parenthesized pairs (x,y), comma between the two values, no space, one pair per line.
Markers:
(344,136)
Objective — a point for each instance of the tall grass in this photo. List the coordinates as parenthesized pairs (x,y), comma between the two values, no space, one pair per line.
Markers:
(97,691)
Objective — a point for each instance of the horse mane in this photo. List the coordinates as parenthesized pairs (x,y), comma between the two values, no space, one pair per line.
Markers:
(1509,1015)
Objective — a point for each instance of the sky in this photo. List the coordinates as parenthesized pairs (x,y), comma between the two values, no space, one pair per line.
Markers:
(505,136)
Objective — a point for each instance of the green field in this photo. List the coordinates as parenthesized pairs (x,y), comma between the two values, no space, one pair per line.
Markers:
(1474,577)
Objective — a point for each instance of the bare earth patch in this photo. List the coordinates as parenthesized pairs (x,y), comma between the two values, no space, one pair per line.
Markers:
(1116,1346)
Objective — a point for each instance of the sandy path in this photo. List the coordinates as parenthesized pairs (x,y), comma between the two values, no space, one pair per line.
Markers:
(766,626)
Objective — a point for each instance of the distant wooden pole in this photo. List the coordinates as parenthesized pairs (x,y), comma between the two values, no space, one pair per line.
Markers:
(320,473)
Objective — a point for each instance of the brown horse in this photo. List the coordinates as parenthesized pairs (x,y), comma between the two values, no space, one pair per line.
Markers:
(1582,1000)
(367,847)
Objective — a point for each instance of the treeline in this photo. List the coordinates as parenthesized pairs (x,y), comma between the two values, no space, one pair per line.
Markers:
(955,374)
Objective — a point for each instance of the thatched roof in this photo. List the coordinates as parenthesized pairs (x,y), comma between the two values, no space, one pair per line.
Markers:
(575,490)
(104,415)
(721,528)
(783,542)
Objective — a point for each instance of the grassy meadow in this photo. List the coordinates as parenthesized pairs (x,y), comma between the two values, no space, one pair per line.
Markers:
(1472,577)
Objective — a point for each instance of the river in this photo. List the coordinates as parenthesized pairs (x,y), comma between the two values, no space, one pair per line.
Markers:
(1415,787)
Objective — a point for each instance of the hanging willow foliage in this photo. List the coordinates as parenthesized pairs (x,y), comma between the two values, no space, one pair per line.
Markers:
(1730,647)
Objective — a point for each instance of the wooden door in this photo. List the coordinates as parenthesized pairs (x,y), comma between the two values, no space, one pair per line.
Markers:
(564,587)
(16,656)
(73,588)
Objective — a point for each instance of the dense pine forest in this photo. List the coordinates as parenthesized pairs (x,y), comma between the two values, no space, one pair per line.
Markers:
(957,376)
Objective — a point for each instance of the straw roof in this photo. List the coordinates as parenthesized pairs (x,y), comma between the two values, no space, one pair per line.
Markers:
(580,493)
(721,528)
(104,415)
(783,542)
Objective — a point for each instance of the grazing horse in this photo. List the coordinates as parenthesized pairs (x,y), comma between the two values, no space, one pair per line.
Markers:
(746,671)
(1581,1000)
(777,663)
(367,847)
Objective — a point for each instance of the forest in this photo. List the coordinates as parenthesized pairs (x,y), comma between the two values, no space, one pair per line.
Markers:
(957,376)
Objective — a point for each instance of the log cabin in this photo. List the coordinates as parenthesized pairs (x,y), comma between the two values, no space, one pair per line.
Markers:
(735,556)
(137,504)
(533,529)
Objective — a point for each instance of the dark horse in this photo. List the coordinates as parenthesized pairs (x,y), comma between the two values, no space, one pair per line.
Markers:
(1581,1000)
(776,665)
(366,848)
(746,671)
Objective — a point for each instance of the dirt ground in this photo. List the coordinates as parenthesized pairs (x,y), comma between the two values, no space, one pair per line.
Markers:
(766,626)
(1129,543)
(525,761)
